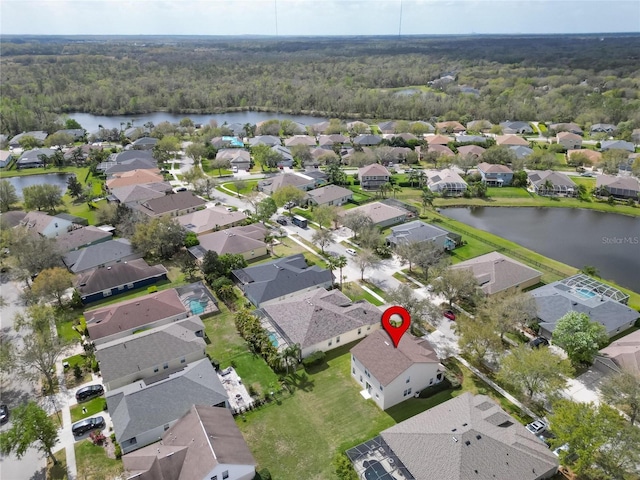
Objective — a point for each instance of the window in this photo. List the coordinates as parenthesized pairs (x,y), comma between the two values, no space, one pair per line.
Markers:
(337,339)
(155,370)
(225,474)
(129,285)
(165,366)
(330,342)
(430,381)
(166,427)
(381,389)
(215,477)
(404,394)
(359,331)
(353,370)
(360,378)
(377,396)
(409,391)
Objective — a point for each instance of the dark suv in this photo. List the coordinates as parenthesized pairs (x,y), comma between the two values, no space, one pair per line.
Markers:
(539,342)
(88,424)
(89,392)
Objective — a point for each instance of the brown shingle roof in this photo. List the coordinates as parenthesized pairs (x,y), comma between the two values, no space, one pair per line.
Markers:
(625,352)
(471,150)
(385,362)
(235,240)
(590,154)
(134,177)
(511,140)
(494,168)
(106,321)
(373,170)
(437,140)
(171,202)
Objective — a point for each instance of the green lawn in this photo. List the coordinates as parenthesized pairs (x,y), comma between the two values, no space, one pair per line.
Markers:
(66,331)
(227,347)
(507,192)
(288,247)
(355,292)
(93,463)
(249,186)
(588,182)
(93,406)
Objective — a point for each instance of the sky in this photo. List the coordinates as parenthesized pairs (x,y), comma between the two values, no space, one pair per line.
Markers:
(316,17)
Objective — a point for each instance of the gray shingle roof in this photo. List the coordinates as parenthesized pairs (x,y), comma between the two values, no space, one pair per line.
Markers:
(100,254)
(79,237)
(328,194)
(172,202)
(171,394)
(99,279)
(469,437)
(385,362)
(313,317)
(133,164)
(269,140)
(280,277)
(135,353)
(140,193)
(236,240)
(367,139)
(416,231)
(32,155)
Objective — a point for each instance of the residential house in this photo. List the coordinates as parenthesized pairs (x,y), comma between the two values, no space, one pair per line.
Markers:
(236,129)
(620,187)
(46,225)
(80,237)
(129,165)
(495,175)
(583,294)
(278,279)
(381,214)
(319,320)
(240,159)
(285,153)
(461,139)
(450,127)
(389,374)
(226,142)
(268,140)
(145,143)
(78,221)
(520,151)
(126,156)
(145,354)
(566,127)
(5,158)
(569,141)
(133,177)
(32,158)
(99,283)
(446,182)
(358,126)
(519,128)
(617,145)
(300,140)
(172,394)
(373,176)
(466,437)
(80,153)
(496,273)
(247,241)
(39,135)
(418,232)
(204,444)
(427,127)
(550,182)
(437,140)
(122,319)
(320,127)
(331,140)
(441,150)
(329,195)
(511,140)
(132,195)
(405,136)
(12,218)
(298,180)
(76,133)
(479,126)
(592,155)
(621,355)
(172,204)
(474,151)
(319,177)
(602,128)
(102,254)
(367,140)
(211,219)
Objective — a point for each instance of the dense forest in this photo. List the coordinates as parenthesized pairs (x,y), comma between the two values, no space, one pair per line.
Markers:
(585,79)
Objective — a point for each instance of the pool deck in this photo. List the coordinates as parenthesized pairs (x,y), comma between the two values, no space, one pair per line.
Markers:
(239,398)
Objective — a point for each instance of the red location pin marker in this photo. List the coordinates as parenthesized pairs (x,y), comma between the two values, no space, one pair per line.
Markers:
(396,332)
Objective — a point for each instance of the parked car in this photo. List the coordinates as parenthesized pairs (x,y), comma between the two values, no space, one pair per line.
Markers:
(4,414)
(539,342)
(588,174)
(449,314)
(289,205)
(282,220)
(351,251)
(564,447)
(88,424)
(89,392)
(537,427)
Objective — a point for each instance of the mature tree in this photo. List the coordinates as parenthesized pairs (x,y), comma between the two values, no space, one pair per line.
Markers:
(287,194)
(41,197)
(30,427)
(302,154)
(601,444)
(427,198)
(187,264)
(33,253)
(578,159)
(339,263)
(239,184)
(357,222)
(219,164)
(498,154)
(107,213)
(612,159)
(325,215)
(370,238)
(214,266)
(253,198)
(421,310)
(622,390)
(365,259)
(265,156)
(635,168)
(520,178)
(72,124)
(164,150)
(407,252)
(266,209)
(38,356)
(58,139)
(223,288)
(534,371)
(7,358)
(29,142)
(52,283)
(579,336)
(430,255)
(270,127)
(192,175)
(196,151)
(541,160)
(162,237)
(335,173)
(322,238)
(465,162)
(509,310)
(74,187)
(8,195)
(478,338)
(456,284)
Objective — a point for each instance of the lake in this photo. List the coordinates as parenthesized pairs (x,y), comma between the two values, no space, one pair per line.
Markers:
(577,237)
(91,122)
(59,179)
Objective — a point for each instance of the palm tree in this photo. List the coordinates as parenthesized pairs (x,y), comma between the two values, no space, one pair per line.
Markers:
(291,356)
(427,198)
(395,189)
(547,186)
(384,188)
(338,262)
(421,176)
(413,176)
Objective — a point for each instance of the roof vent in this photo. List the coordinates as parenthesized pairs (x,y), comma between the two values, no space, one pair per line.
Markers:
(464,424)
(453,429)
(467,443)
(478,437)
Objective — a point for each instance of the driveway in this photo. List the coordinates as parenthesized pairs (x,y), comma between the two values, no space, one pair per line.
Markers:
(585,387)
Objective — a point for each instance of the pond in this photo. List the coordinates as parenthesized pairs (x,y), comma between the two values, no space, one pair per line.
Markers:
(91,122)
(577,237)
(59,179)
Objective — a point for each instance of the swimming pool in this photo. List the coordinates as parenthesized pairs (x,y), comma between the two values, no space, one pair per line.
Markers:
(233,141)
(274,339)
(375,471)
(196,307)
(584,293)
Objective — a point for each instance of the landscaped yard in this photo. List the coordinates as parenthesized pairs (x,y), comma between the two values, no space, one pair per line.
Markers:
(507,192)
(355,292)
(93,407)
(93,463)
(249,186)
(79,360)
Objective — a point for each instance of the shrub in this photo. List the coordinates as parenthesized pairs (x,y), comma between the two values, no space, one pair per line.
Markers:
(314,359)
(95,367)
(118,450)
(152,289)
(77,372)
(263,474)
